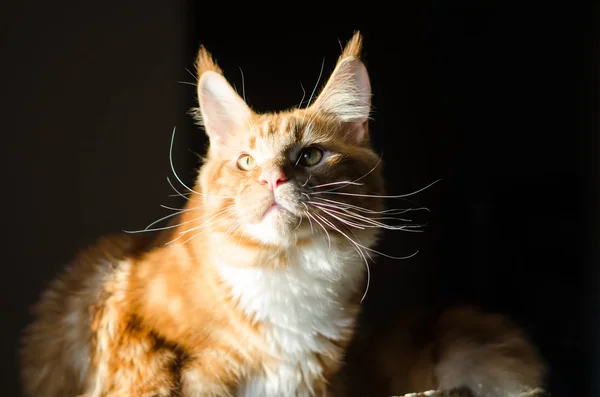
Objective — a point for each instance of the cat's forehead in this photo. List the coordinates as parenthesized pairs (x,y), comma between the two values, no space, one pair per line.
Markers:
(271,133)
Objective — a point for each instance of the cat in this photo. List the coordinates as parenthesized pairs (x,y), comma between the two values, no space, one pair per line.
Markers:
(255,290)
(264,301)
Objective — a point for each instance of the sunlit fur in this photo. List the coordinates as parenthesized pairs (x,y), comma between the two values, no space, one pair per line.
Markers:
(254,288)
(239,297)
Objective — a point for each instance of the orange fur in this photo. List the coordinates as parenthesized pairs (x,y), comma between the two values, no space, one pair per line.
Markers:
(163,319)
(255,290)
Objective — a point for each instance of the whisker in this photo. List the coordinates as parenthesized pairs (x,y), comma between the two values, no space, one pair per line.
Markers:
(160,228)
(227,211)
(365,252)
(393,211)
(182,195)
(178,209)
(380,196)
(349,223)
(367,248)
(235,225)
(299,223)
(173,167)
(309,221)
(297,161)
(309,176)
(213,196)
(240,240)
(202,226)
(358,179)
(359,251)
(191,74)
(232,228)
(198,155)
(243,86)
(148,229)
(227,232)
(336,183)
(323,227)
(390,256)
(347,211)
(368,278)
(177,191)
(163,218)
(179,179)
(303,95)
(185,241)
(171,208)
(188,83)
(311,120)
(316,85)
(375,251)
(371,222)
(349,215)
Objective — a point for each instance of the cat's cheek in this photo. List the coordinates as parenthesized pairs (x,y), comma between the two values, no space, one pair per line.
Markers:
(252,203)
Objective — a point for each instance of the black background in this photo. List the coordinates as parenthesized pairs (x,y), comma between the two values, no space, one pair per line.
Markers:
(499,102)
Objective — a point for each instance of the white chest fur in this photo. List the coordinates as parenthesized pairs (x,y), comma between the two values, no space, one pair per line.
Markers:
(298,306)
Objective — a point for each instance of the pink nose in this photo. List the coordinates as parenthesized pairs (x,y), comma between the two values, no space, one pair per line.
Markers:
(272,179)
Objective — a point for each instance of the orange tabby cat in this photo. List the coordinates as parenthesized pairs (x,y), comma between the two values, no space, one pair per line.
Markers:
(261,303)
(255,291)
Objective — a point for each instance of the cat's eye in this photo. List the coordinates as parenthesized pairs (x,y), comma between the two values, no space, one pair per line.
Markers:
(246,162)
(310,156)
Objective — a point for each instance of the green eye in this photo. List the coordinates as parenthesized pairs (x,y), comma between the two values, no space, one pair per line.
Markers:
(246,162)
(310,156)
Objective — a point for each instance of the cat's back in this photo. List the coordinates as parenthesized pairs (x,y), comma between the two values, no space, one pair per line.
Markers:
(55,355)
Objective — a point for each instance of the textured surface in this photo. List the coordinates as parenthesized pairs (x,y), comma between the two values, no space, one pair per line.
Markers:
(465,393)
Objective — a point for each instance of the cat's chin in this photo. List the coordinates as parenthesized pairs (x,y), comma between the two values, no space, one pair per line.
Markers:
(280,226)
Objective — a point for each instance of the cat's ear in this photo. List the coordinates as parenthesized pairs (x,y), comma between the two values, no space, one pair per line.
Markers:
(347,94)
(222,112)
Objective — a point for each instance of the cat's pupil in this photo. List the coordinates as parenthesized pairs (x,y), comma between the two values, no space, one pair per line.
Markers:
(245,162)
(310,156)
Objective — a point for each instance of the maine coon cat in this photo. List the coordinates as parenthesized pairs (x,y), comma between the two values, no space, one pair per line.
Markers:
(255,289)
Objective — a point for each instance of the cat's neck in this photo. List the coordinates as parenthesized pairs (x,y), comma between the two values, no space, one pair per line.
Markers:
(312,291)
(300,291)
(323,267)
(310,277)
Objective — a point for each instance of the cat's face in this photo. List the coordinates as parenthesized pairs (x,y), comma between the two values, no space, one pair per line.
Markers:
(280,178)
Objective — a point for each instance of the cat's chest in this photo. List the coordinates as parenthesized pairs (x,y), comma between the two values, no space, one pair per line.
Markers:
(302,309)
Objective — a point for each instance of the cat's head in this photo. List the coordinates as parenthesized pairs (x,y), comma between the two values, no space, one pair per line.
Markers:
(281,177)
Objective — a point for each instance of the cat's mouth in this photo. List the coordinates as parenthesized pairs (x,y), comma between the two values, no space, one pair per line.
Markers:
(270,216)
(276,207)
(273,208)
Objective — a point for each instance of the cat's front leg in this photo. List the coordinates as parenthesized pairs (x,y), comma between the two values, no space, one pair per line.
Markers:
(285,379)
(128,359)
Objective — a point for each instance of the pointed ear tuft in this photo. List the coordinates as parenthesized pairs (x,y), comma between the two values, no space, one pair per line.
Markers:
(221,110)
(347,94)
(353,48)
(204,63)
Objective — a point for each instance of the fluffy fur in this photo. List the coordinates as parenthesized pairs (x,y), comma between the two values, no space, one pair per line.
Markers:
(255,290)
(461,349)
